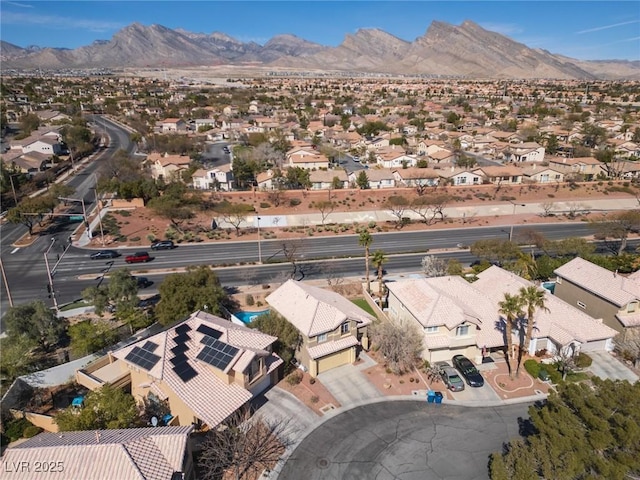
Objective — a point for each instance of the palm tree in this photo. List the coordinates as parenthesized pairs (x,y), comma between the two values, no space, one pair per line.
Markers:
(532,298)
(511,308)
(365,240)
(378,260)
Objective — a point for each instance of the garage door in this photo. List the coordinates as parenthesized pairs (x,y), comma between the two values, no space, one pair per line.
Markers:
(334,360)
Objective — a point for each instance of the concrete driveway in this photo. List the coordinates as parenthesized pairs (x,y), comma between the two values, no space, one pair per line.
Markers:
(479,396)
(606,366)
(409,440)
(349,385)
(277,404)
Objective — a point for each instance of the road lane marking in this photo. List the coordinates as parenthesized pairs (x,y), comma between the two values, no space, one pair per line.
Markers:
(15,250)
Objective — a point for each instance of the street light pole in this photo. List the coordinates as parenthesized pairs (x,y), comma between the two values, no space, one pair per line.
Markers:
(514,212)
(95,191)
(259,244)
(13,189)
(49,277)
(6,284)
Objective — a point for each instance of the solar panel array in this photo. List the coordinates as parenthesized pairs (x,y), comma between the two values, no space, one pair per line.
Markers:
(210,332)
(150,346)
(182,338)
(180,348)
(185,371)
(216,353)
(142,358)
(180,362)
(184,328)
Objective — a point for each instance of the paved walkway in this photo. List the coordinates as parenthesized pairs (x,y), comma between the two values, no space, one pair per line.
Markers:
(606,366)
(348,384)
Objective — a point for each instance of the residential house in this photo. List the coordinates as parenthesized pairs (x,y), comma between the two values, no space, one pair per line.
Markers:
(587,168)
(460,176)
(600,293)
(307,158)
(173,125)
(167,167)
(395,158)
(416,177)
(205,367)
(535,174)
(378,178)
(219,178)
(457,317)
(324,179)
(33,162)
(500,174)
(523,152)
(332,327)
(442,157)
(265,180)
(160,453)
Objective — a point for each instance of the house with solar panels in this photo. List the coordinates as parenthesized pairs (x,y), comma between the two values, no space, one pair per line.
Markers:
(205,367)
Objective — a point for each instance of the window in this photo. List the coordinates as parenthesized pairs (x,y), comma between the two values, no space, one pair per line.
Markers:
(431,329)
(344,328)
(462,331)
(581,304)
(632,307)
(254,369)
(322,337)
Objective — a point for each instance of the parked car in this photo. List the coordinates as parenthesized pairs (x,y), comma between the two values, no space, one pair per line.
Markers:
(138,257)
(226,150)
(104,254)
(468,371)
(163,245)
(450,377)
(143,282)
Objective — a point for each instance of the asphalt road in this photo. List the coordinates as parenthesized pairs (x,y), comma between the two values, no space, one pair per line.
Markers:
(408,440)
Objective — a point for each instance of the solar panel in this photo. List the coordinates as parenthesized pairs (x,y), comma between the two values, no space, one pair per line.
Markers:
(181,338)
(142,358)
(209,331)
(217,354)
(185,371)
(178,359)
(209,341)
(180,348)
(184,328)
(150,346)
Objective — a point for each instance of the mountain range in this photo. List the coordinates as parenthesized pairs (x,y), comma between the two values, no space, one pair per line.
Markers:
(467,50)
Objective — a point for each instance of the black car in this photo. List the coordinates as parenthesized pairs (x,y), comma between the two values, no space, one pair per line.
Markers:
(163,245)
(104,254)
(468,371)
(143,282)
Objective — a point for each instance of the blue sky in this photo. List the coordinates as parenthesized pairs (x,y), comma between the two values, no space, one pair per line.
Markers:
(579,29)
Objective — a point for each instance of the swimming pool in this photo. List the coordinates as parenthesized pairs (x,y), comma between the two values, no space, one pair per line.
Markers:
(551,286)
(248,317)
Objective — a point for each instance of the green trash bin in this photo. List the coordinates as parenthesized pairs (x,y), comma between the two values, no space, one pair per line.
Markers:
(438,397)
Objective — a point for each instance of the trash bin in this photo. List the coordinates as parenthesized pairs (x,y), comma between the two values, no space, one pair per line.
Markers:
(431,396)
(438,397)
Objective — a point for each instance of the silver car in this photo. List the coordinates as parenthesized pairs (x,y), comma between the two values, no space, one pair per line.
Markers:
(450,377)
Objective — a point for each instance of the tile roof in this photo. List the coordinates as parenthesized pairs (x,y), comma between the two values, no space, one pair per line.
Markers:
(211,398)
(135,453)
(614,288)
(313,310)
(327,348)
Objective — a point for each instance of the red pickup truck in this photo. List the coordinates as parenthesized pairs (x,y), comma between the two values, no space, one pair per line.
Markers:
(138,257)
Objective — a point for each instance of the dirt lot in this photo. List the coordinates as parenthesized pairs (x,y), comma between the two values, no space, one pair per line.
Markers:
(141,226)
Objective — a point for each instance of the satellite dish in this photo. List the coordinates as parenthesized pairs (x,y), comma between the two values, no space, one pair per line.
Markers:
(154,421)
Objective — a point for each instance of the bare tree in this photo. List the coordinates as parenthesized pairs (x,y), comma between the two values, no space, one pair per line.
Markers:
(433,266)
(234,214)
(292,251)
(325,207)
(628,345)
(565,361)
(575,207)
(430,207)
(400,344)
(244,446)
(547,207)
(329,270)
(398,205)
(618,226)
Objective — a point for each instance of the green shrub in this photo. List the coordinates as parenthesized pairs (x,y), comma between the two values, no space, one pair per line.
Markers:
(151,237)
(265,205)
(294,378)
(249,299)
(31,431)
(16,427)
(583,360)
(315,399)
(532,367)
(135,239)
(294,202)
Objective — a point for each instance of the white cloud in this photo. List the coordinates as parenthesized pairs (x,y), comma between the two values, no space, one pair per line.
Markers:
(605,27)
(21,5)
(54,21)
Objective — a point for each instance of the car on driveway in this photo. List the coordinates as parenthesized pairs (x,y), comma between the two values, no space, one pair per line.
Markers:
(468,370)
(450,377)
(138,257)
(104,254)
(163,245)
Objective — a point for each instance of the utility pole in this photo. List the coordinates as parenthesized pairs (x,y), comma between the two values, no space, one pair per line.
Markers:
(259,244)
(13,188)
(95,191)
